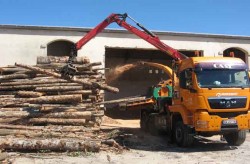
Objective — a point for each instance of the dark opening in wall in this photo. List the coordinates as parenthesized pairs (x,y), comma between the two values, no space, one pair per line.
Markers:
(234,52)
(59,48)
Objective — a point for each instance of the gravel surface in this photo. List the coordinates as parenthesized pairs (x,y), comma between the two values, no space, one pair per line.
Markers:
(143,148)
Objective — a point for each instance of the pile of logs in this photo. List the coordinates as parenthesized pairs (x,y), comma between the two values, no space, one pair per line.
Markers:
(41,110)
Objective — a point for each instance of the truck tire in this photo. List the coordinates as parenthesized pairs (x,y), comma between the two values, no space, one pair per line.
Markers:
(151,126)
(236,138)
(144,121)
(182,135)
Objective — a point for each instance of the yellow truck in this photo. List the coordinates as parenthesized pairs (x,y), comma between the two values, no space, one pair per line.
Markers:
(204,96)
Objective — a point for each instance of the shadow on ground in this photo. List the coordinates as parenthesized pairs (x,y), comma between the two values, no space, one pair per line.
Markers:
(115,113)
(134,138)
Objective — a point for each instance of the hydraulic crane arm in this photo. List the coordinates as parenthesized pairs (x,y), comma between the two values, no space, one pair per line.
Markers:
(120,19)
(148,36)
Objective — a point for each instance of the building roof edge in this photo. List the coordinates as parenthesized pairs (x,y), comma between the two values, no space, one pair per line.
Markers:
(110,30)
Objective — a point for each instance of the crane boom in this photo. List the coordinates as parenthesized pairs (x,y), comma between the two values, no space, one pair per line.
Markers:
(120,19)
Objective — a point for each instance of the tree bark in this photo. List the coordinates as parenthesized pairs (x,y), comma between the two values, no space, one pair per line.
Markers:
(93,84)
(67,99)
(7,96)
(9,120)
(15,109)
(14,76)
(57,128)
(60,99)
(80,67)
(57,121)
(44,134)
(58,88)
(83,115)
(66,109)
(98,76)
(83,92)
(17,87)
(45,107)
(29,94)
(98,69)
(49,144)
(35,81)
(86,72)
(87,66)
(17,114)
(11,69)
(122,100)
(61,59)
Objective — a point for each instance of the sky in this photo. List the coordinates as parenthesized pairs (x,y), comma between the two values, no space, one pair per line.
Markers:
(229,17)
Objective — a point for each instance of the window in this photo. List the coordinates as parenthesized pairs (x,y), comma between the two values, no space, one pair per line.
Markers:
(186,78)
(218,78)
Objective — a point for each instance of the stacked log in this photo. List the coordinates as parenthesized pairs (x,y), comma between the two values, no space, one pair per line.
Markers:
(47,111)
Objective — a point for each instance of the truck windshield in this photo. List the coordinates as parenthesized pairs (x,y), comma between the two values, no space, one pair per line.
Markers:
(220,78)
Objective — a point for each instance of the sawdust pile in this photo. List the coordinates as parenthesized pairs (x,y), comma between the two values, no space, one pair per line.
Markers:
(109,120)
(116,72)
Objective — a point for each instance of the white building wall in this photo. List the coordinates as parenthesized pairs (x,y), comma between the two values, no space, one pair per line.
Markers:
(24,44)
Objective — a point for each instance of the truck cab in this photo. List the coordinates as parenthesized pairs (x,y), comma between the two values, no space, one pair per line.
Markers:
(210,97)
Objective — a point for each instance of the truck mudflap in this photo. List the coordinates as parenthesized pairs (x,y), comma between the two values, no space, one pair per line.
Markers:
(204,122)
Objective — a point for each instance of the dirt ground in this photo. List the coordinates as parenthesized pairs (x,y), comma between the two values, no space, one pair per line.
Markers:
(143,148)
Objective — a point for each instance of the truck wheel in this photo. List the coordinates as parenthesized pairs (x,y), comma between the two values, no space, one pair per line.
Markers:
(151,126)
(236,138)
(182,135)
(144,121)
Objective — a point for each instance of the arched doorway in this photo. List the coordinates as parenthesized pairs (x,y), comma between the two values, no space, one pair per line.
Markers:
(235,52)
(59,48)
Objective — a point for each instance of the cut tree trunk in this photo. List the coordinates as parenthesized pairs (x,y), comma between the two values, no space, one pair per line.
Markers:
(17,114)
(66,109)
(83,92)
(44,134)
(58,99)
(35,82)
(86,73)
(130,99)
(58,88)
(49,144)
(12,109)
(87,66)
(47,109)
(9,120)
(50,128)
(14,76)
(92,84)
(7,96)
(61,59)
(57,121)
(11,69)
(67,99)
(80,67)
(30,94)
(83,115)
(17,87)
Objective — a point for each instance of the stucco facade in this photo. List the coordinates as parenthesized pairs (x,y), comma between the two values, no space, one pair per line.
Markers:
(23,44)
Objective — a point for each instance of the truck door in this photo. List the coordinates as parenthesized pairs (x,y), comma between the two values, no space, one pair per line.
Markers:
(187,93)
